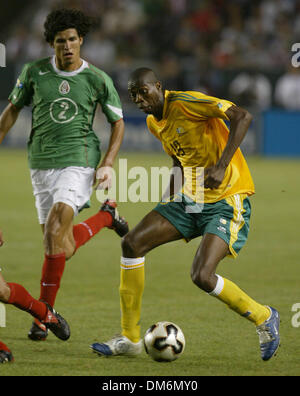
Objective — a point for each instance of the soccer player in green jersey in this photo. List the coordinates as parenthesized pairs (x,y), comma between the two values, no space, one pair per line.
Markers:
(63,150)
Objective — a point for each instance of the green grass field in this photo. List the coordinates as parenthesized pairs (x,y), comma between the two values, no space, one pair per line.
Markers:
(218,342)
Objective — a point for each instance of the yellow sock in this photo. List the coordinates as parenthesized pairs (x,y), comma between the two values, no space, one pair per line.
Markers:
(131,292)
(240,302)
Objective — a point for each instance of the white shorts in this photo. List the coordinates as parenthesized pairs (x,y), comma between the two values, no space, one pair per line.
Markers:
(72,185)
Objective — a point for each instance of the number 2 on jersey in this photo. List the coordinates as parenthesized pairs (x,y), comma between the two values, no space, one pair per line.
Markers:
(65,106)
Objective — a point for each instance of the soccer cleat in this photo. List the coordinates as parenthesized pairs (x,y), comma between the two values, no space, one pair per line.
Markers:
(5,355)
(119,224)
(118,345)
(268,333)
(54,322)
(38,331)
(57,324)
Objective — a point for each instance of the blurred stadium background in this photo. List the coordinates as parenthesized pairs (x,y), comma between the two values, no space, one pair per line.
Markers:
(234,49)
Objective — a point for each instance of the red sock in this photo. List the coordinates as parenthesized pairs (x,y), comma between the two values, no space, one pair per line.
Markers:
(52,273)
(20,298)
(84,231)
(3,347)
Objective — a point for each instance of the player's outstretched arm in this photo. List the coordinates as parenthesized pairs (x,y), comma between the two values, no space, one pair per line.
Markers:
(104,172)
(7,119)
(240,120)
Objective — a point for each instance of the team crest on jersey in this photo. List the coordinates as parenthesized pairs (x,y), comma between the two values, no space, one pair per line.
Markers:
(64,87)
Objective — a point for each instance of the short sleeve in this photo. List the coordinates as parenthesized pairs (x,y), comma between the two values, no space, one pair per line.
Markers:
(110,101)
(196,104)
(21,94)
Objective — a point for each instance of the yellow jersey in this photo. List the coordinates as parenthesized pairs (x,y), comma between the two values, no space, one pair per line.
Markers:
(193,130)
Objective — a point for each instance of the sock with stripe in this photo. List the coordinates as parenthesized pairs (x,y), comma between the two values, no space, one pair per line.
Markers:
(20,298)
(239,301)
(84,231)
(131,292)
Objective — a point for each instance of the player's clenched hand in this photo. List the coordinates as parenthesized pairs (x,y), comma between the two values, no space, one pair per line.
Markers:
(213,176)
(1,238)
(103,178)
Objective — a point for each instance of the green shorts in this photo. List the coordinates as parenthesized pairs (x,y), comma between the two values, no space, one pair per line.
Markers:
(228,218)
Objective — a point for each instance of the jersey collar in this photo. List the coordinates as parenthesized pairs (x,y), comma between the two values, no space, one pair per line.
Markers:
(65,73)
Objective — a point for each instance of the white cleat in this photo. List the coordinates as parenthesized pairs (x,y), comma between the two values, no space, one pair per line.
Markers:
(118,345)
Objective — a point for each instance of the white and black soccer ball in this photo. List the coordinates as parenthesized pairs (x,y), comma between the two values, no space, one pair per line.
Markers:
(164,341)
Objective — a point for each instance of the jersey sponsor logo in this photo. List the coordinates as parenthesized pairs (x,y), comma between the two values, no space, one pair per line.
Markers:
(42,73)
(63,110)
(64,87)
(222,229)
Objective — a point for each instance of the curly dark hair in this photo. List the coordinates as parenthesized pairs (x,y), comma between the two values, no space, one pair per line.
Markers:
(62,19)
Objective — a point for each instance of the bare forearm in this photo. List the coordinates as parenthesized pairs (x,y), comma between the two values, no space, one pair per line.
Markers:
(238,129)
(7,120)
(116,138)
(240,121)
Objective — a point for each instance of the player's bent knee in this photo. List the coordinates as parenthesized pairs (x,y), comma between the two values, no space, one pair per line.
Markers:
(130,246)
(4,293)
(203,279)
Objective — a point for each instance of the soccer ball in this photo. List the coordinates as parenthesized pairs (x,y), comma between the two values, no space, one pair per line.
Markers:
(164,341)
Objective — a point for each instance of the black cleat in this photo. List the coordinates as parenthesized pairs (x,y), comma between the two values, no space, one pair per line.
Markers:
(38,331)
(6,356)
(57,324)
(119,224)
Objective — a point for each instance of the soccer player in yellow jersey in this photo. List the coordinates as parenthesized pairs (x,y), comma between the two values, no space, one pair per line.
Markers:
(191,128)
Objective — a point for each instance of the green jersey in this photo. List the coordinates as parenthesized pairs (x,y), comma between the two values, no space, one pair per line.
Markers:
(63,110)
